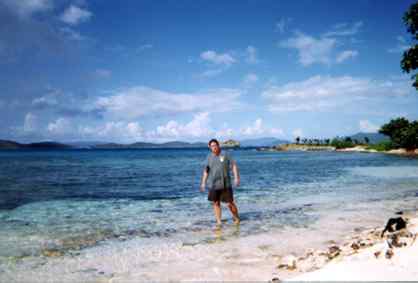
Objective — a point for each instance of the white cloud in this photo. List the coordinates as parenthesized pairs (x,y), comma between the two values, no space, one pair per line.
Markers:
(74,15)
(139,101)
(31,122)
(347,54)
(144,47)
(103,73)
(282,24)
(344,29)
(198,127)
(258,129)
(71,34)
(401,46)
(321,93)
(250,78)
(120,131)
(26,8)
(46,100)
(126,130)
(297,133)
(225,133)
(368,127)
(211,73)
(53,97)
(321,49)
(218,58)
(60,126)
(251,55)
(311,50)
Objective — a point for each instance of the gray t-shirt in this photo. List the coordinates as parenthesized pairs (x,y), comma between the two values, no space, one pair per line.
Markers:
(218,167)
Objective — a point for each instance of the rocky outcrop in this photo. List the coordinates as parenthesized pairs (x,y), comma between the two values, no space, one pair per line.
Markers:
(230,143)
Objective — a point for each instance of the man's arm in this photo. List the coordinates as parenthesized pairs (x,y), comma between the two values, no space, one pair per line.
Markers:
(235,171)
(204,178)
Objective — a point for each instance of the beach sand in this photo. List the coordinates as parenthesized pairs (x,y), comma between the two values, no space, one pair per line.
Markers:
(367,257)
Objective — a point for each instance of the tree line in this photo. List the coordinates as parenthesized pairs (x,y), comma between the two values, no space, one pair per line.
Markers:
(338,142)
(402,134)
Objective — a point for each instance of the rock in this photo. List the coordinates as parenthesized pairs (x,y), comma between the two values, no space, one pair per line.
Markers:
(315,261)
(310,252)
(333,252)
(355,246)
(230,143)
(52,253)
(389,253)
(394,240)
(288,262)
(366,243)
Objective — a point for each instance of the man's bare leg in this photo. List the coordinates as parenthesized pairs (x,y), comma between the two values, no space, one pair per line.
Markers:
(218,212)
(234,210)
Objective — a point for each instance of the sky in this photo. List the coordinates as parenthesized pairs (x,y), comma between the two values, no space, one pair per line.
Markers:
(190,70)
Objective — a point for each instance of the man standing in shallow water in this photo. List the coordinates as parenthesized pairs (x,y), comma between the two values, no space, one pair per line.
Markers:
(217,174)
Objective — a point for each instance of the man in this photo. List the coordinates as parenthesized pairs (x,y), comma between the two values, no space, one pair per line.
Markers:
(217,174)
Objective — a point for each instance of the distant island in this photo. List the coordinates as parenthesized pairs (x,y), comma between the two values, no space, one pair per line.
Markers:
(8,144)
(230,144)
(363,142)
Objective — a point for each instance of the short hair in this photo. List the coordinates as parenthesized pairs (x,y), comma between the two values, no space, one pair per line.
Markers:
(213,140)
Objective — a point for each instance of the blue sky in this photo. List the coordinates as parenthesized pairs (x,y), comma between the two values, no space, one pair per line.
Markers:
(191,70)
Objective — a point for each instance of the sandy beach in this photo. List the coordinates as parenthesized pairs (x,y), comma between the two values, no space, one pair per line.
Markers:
(366,257)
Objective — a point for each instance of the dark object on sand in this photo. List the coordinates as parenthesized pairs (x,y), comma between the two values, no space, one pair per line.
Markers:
(389,254)
(399,223)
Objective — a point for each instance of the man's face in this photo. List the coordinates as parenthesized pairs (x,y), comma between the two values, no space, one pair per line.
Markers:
(214,147)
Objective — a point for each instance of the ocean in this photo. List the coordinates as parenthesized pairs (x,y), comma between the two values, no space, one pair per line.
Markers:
(120,215)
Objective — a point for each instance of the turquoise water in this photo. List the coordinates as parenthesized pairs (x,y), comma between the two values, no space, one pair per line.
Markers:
(73,201)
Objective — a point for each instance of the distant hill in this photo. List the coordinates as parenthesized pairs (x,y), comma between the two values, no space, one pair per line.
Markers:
(262,142)
(46,145)
(373,137)
(5,144)
(84,144)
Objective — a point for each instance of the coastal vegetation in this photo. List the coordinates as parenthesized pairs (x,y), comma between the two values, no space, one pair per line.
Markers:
(402,133)
(409,61)
(339,142)
(397,134)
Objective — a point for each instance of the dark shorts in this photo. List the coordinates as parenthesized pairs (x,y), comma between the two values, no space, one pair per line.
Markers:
(224,195)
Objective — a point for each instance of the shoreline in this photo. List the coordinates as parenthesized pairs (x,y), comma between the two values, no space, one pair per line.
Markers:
(364,256)
(399,151)
(353,254)
(358,148)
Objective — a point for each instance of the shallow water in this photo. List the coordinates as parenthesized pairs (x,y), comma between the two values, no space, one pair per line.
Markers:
(91,214)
